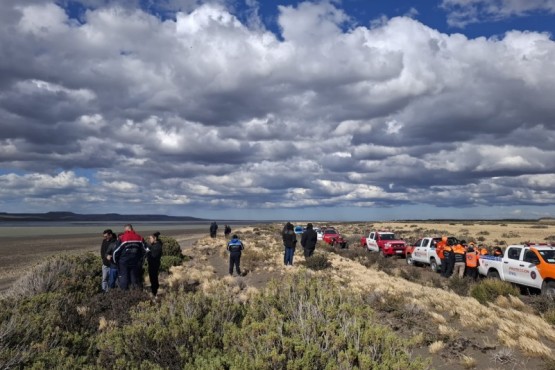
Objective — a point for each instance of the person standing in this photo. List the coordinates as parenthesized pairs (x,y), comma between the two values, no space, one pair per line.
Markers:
(449,259)
(309,240)
(113,275)
(460,259)
(227,231)
(107,239)
(213,229)
(440,247)
(472,263)
(129,258)
(235,247)
(289,242)
(154,256)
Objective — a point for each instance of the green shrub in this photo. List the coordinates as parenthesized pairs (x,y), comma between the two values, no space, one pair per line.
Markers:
(168,261)
(170,247)
(488,290)
(318,262)
(549,316)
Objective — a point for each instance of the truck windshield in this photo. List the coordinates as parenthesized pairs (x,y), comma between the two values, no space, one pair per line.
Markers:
(387,236)
(548,256)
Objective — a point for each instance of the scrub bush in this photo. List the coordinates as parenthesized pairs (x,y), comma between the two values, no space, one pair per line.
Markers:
(488,290)
(318,262)
(170,247)
(168,261)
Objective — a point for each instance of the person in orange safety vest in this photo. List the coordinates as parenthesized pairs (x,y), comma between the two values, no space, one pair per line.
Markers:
(472,262)
(440,247)
(460,263)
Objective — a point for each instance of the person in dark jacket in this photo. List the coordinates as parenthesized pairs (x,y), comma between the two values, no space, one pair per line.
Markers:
(235,247)
(113,275)
(227,231)
(106,241)
(213,229)
(129,257)
(289,242)
(309,240)
(154,256)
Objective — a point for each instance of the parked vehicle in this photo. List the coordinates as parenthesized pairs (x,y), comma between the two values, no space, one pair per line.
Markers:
(298,230)
(386,243)
(334,238)
(527,265)
(319,233)
(424,252)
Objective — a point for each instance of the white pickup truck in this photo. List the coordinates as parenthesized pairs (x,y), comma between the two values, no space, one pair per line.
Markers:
(424,251)
(527,265)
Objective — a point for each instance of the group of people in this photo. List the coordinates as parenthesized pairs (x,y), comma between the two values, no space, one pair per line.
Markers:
(459,258)
(309,238)
(123,257)
(214,230)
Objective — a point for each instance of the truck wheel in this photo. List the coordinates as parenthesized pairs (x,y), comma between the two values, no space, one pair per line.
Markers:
(492,274)
(433,265)
(410,261)
(548,288)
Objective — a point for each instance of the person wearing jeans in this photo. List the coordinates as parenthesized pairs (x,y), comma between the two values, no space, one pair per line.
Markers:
(289,242)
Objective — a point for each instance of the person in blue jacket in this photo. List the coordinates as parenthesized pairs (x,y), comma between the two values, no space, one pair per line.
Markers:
(235,247)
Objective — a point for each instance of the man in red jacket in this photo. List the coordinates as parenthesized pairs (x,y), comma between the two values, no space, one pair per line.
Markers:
(129,257)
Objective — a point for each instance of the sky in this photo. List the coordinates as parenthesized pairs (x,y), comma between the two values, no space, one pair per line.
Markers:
(245,109)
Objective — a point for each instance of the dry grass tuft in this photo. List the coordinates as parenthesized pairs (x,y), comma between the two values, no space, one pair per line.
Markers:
(533,347)
(437,318)
(435,347)
(468,362)
(448,332)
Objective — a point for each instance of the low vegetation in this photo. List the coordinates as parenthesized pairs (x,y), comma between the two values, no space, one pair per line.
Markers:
(488,290)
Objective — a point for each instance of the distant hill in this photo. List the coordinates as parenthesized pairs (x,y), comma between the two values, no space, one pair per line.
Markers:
(70,216)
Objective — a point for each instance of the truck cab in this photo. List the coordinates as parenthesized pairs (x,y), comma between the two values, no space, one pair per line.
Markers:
(424,252)
(527,265)
(386,243)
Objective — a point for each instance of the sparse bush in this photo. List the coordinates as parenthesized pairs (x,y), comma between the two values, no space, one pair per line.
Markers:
(318,262)
(252,259)
(483,232)
(549,316)
(542,303)
(539,227)
(504,356)
(168,261)
(488,290)
(170,247)
(481,239)
(510,234)
(460,286)
(411,273)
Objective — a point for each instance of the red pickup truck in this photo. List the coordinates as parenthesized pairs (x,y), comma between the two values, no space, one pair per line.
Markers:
(384,242)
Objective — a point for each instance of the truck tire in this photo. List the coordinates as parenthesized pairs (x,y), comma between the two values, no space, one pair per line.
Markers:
(410,261)
(433,264)
(548,289)
(493,274)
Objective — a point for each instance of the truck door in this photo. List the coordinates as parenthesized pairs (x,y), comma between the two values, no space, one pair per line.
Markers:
(371,242)
(417,252)
(531,261)
(513,265)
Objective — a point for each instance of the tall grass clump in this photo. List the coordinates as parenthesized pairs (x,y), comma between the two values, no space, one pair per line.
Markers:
(488,290)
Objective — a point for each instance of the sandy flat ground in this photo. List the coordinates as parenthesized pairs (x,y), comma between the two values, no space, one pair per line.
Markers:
(18,254)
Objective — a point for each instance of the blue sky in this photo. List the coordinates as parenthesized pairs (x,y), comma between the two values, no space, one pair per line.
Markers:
(332,110)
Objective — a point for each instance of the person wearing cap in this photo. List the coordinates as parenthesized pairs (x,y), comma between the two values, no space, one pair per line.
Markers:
(108,239)
(309,240)
(235,247)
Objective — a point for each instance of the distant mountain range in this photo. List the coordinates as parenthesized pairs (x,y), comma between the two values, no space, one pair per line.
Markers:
(70,216)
